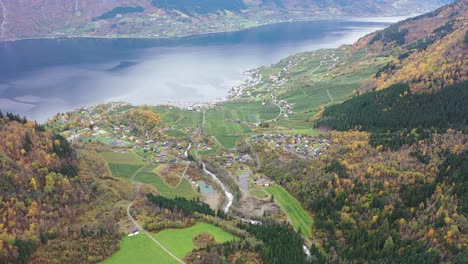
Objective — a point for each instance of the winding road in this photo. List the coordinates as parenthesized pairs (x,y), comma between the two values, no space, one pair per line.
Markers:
(140,228)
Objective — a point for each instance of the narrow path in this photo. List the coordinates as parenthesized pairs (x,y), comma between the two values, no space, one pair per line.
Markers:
(279,115)
(329,95)
(4,20)
(140,228)
(182,177)
(257,156)
(204,120)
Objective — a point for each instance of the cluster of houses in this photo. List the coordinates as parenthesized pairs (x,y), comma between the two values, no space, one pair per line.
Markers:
(166,151)
(299,144)
(228,159)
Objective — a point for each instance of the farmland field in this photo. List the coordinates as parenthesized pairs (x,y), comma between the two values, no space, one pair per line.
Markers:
(123,170)
(227,141)
(258,193)
(105,140)
(175,133)
(123,165)
(170,173)
(299,217)
(139,249)
(180,118)
(124,158)
(144,153)
(180,241)
(184,189)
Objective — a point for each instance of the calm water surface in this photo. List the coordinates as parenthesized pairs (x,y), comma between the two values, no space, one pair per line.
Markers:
(39,78)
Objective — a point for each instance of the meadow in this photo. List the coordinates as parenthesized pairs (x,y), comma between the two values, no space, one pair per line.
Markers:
(123,170)
(184,189)
(124,158)
(180,241)
(258,193)
(176,133)
(299,217)
(123,165)
(139,249)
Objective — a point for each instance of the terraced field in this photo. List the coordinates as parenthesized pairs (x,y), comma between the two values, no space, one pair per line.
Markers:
(300,219)
(180,118)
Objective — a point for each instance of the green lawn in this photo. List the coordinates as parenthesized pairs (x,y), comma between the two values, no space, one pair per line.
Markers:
(299,217)
(227,141)
(180,243)
(180,118)
(105,140)
(139,249)
(124,158)
(184,189)
(123,170)
(144,154)
(258,193)
(122,165)
(175,133)
(308,132)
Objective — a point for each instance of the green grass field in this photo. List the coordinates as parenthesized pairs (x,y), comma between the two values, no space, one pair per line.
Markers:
(123,170)
(176,133)
(123,165)
(180,118)
(144,154)
(139,249)
(227,141)
(184,189)
(105,140)
(232,120)
(308,132)
(299,217)
(180,241)
(258,193)
(123,158)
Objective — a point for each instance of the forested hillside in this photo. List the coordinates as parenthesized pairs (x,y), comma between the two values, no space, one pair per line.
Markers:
(392,187)
(50,194)
(397,107)
(392,206)
(428,52)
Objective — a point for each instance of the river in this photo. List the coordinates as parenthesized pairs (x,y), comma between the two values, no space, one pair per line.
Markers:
(41,77)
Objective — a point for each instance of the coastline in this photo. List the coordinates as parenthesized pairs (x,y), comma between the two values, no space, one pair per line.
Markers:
(370,19)
(231,93)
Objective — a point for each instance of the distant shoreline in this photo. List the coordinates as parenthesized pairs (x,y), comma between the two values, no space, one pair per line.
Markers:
(370,19)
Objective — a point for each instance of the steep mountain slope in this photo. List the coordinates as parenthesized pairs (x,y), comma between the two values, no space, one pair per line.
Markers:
(393,186)
(428,52)
(55,198)
(156,18)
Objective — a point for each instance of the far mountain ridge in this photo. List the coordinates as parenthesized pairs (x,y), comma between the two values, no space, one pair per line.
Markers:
(164,18)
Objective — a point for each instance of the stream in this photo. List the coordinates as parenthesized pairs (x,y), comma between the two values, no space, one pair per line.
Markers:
(230,198)
(229,195)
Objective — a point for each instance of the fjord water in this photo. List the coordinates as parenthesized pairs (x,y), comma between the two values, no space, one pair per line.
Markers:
(41,77)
